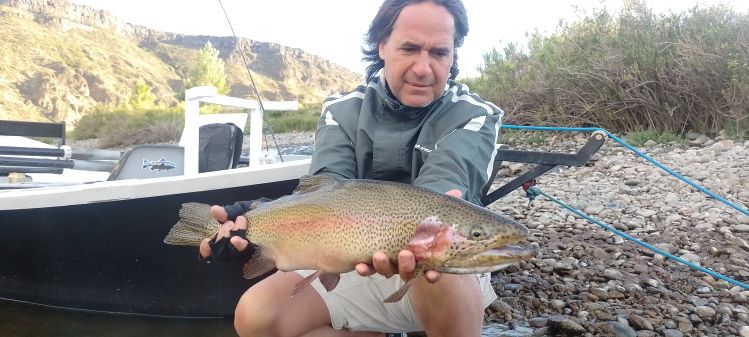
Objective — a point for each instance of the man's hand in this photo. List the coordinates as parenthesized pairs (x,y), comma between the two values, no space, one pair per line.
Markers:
(406,261)
(405,267)
(240,223)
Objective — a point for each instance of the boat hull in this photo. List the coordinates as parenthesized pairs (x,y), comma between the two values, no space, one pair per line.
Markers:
(108,255)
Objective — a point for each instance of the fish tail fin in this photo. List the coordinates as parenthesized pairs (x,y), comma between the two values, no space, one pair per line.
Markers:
(258,265)
(195,224)
(398,294)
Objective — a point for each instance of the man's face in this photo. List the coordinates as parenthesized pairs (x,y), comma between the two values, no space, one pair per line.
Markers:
(418,53)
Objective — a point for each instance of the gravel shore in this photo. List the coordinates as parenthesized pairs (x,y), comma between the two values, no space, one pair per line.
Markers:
(590,282)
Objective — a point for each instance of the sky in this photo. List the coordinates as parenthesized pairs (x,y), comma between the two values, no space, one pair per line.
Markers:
(334,29)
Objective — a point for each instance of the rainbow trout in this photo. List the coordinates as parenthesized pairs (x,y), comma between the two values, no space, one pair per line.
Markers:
(330,225)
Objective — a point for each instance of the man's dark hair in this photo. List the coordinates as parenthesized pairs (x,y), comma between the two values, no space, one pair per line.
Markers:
(382,26)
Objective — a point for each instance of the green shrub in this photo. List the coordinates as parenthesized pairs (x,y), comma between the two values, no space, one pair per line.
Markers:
(304,119)
(91,125)
(123,127)
(636,70)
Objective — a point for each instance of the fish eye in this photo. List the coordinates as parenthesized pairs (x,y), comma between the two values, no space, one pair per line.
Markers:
(477,232)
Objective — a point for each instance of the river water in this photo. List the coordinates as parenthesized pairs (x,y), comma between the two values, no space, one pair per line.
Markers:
(22,320)
(26,320)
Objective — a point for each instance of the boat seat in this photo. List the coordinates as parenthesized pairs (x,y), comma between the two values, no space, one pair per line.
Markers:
(220,149)
(34,129)
(150,161)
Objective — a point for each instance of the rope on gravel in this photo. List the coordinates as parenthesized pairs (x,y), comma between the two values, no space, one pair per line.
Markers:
(601,224)
(535,191)
(639,153)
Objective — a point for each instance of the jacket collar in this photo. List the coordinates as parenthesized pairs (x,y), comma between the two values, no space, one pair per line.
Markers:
(392,102)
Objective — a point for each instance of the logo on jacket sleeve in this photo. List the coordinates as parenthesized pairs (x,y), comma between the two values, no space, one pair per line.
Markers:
(422,148)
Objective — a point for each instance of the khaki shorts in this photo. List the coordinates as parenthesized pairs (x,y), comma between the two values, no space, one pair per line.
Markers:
(356,303)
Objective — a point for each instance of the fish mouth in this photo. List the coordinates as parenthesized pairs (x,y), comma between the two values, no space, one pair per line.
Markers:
(526,252)
(491,259)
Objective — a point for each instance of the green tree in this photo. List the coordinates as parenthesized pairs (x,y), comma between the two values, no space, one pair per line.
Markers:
(141,98)
(208,70)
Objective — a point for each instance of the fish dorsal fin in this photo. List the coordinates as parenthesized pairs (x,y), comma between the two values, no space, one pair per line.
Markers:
(258,265)
(259,202)
(311,183)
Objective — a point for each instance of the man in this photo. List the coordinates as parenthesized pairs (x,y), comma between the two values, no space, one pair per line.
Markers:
(410,123)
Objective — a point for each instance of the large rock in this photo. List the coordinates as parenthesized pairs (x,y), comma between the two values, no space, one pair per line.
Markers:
(741,228)
(639,323)
(564,325)
(615,329)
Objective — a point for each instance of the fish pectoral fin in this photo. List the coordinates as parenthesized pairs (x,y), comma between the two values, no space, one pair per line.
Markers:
(258,265)
(398,294)
(305,282)
(329,281)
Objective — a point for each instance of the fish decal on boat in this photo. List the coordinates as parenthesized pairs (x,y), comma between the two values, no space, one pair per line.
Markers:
(160,165)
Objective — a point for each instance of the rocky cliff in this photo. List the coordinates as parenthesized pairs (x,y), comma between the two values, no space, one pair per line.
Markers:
(61,60)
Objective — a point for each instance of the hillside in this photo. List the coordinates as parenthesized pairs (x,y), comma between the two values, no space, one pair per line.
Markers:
(60,60)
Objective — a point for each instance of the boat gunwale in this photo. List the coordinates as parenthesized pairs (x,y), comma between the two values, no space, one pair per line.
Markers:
(104,191)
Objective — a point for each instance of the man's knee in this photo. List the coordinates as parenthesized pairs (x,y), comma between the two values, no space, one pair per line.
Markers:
(457,310)
(451,287)
(250,321)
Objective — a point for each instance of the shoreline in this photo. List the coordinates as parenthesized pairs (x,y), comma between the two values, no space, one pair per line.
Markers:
(590,282)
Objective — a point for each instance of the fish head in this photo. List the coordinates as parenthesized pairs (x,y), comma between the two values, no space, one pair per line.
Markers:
(475,244)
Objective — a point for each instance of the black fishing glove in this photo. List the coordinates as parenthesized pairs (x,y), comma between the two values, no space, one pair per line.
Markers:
(237,209)
(222,250)
(242,207)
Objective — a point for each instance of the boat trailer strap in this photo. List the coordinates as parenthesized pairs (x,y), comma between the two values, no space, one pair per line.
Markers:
(545,161)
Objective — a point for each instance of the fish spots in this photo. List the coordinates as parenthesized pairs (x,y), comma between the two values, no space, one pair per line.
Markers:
(430,222)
